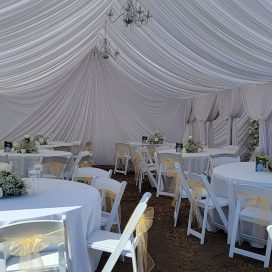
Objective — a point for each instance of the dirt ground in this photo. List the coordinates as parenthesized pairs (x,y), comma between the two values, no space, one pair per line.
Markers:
(172,250)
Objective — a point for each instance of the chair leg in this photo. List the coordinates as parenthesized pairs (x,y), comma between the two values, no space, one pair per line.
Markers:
(116,162)
(267,253)
(176,214)
(159,185)
(126,166)
(234,231)
(190,219)
(204,224)
(134,261)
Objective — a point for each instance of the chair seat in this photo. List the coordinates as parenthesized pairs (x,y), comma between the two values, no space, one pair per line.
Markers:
(49,260)
(107,241)
(221,201)
(254,214)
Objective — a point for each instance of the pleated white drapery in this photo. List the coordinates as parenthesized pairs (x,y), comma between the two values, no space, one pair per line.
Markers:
(231,108)
(206,111)
(257,101)
(49,83)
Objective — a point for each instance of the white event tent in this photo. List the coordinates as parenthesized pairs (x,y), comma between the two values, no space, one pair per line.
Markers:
(200,68)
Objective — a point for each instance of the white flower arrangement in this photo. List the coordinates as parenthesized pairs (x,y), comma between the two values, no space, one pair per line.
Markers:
(253,135)
(157,138)
(191,146)
(26,145)
(11,184)
(41,139)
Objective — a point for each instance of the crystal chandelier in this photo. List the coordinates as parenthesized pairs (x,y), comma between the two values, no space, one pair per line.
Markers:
(132,13)
(104,48)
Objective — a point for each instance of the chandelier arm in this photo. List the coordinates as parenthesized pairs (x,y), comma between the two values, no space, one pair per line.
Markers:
(116,18)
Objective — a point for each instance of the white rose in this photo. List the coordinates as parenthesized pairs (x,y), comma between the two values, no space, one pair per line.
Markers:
(190,137)
(199,149)
(183,150)
(26,137)
(23,151)
(156,139)
(13,149)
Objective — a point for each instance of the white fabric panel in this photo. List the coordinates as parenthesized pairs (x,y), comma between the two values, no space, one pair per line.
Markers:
(231,108)
(206,111)
(257,101)
(96,103)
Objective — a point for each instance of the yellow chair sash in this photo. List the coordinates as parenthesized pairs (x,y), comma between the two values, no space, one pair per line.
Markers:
(263,203)
(198,191)
(31,246)
(108,198)
(86,180)
(144,260)
(137,166)
(55,168)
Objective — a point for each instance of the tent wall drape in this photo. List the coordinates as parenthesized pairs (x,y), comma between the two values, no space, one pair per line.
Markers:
(96,103)
(257,101)
(206,111)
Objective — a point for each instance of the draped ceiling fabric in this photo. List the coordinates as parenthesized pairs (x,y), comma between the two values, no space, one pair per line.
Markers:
(50,83)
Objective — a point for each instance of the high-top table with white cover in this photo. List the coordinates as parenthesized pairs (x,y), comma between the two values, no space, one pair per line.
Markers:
(80,203)
(23,161)
(198,162)
(223,179)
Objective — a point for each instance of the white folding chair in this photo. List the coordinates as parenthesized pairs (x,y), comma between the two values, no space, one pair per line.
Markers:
(163,159)
(147,167)
(108,186)
(50,235)
(120,244)
(219,159)
(234,148)
(249,209)
(183,192)
(203,197)
(90,172)
(54,166)
(122,158)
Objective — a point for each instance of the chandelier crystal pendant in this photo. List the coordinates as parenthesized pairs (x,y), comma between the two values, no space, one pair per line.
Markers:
(104,48)
(132,13)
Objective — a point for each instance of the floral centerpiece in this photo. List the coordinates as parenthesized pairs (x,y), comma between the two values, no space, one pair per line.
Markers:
(191,146)
(157,138)
(253,135)
(11,184)
(26,145)
(41,139)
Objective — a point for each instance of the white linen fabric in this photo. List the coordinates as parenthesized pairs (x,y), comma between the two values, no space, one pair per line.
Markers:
(257,101)
(223,179)
(50,84)
(79,202)
(231,108)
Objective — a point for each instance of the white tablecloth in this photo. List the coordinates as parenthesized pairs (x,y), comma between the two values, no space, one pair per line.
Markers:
(198,162)
(243,172)
(22,162)
(81,203)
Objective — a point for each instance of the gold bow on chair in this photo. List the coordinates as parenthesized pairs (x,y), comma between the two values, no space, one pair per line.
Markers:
(260,202)
(198,191)
(31,245)
(108,198)
(144,260)
(171,172)
(137,166)
(55,168)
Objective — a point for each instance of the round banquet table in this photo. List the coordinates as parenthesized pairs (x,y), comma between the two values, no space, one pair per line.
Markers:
(80,203)
(223,179)
(198,162)
(23,161)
